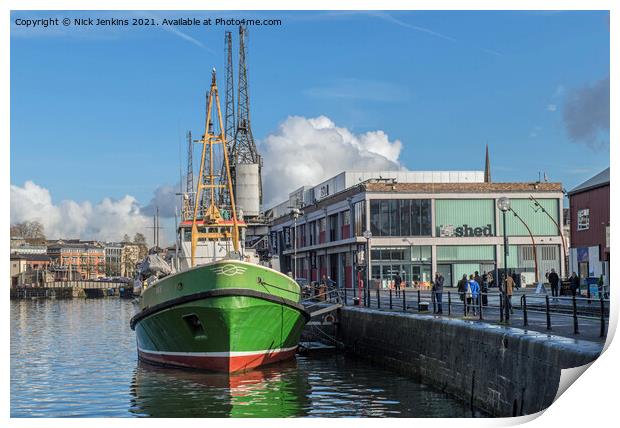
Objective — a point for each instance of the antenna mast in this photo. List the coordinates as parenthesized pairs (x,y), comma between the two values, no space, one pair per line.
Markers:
(189,188)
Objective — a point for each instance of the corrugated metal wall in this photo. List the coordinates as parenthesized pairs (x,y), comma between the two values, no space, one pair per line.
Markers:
(460,269)
(478,253)
(522,257)
(457,212)
(539,223)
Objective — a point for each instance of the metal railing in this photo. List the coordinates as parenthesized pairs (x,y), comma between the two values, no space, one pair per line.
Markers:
(528,310)
(327,295)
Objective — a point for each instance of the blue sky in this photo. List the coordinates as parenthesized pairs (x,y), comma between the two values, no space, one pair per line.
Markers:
(101,112)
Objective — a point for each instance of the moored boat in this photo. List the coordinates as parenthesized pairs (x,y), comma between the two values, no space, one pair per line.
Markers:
(217,311)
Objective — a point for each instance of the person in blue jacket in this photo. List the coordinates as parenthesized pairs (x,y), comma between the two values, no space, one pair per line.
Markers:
(474,287)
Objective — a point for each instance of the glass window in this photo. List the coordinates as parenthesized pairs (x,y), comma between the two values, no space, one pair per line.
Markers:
(375,216)
(384,219)
(359,217)
(346,217)
(312,233)
(405,217)
(425,217)
(394,229)
(425,253)
(415,217)
(583,219)
(333,227)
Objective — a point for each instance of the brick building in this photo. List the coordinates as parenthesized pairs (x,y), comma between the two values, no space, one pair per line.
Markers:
(74,260)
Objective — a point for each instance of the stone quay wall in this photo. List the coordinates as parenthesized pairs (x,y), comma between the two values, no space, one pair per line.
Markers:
(502,370)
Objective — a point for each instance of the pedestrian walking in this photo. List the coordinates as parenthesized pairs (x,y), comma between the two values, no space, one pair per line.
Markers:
(554,280)
(490,280)
(484,289)
(516,280)
(462,288)
(438,291)
(474,289)
(397,281)
(574,283)
(510,283)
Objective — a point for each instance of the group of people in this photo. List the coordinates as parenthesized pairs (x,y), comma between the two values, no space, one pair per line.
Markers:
(472,291)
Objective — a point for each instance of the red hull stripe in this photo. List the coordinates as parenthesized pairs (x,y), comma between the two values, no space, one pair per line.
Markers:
(218,361)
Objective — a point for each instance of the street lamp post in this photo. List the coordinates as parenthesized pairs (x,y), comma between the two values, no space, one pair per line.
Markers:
(564,253)
(367,235)
(295,213)
(533,243)
(504,205)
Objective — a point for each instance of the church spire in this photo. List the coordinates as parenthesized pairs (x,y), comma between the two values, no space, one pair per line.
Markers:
(487,167)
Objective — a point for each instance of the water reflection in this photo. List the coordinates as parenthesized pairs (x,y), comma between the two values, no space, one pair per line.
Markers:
(329,386)
(276,391)
(77,358)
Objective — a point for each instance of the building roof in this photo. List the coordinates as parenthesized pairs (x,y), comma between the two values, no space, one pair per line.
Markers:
(430,188)
(31,257)
(599,180)
(463,187)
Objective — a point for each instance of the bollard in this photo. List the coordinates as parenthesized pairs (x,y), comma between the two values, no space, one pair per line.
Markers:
(480,306)
(418,305)
(548,312)
(602,317)
(404,302)
(449,304)
(390,298)
(378,299)
(524,303)
(575,321)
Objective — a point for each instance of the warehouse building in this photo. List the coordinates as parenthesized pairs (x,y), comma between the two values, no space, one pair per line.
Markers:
(589,229)
(421,223)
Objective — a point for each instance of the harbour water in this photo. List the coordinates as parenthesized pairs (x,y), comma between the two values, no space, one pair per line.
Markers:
(77,358)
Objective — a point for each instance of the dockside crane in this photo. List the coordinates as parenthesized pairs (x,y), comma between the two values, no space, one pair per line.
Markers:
(246,160)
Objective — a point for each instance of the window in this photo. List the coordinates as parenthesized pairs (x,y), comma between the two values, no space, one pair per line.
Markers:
(403,217)
(346,218)
(312,227)
(359,217)
(583,219)
(333,227)
(421,253)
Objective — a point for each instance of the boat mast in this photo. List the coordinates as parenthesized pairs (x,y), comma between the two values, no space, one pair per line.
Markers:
(212,215)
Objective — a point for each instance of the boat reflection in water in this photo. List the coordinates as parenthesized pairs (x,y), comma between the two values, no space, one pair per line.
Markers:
(276,391)
(319,386)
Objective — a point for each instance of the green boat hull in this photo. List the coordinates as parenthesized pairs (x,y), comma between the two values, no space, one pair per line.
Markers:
(225,316)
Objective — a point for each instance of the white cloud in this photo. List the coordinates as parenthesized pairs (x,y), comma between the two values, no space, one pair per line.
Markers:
(552,107)
(107,220)
(303,151)
(306,151)
(166,199)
